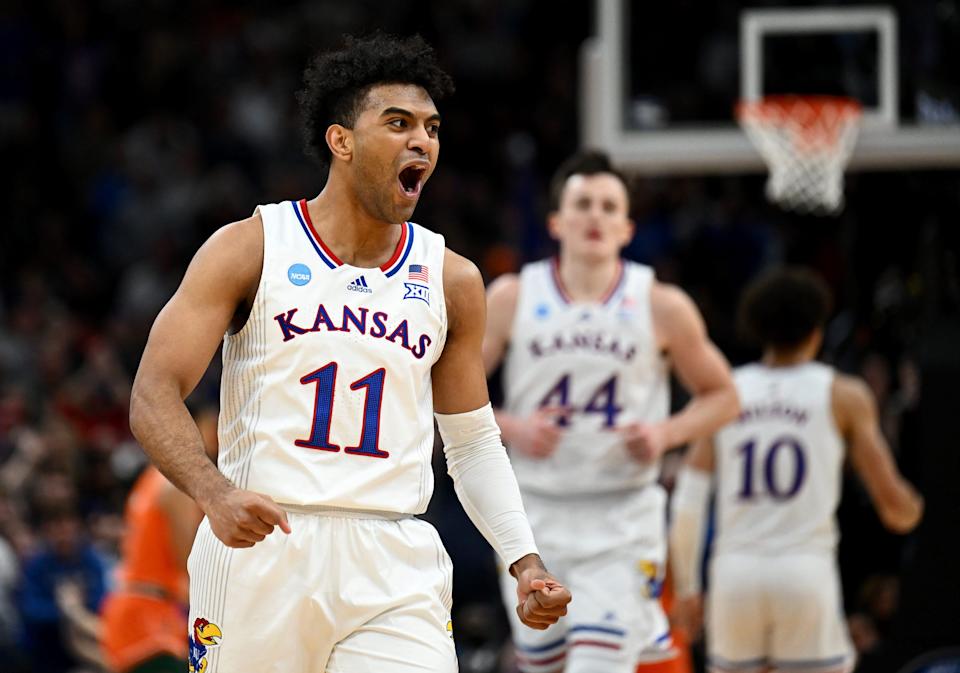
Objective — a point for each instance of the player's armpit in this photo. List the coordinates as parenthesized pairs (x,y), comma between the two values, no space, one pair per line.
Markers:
(855,411)
(459,380)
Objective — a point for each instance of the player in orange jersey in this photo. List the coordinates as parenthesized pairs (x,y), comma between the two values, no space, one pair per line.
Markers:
(144,627)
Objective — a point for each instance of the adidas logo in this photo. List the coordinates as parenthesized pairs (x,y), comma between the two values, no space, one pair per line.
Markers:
(360,285)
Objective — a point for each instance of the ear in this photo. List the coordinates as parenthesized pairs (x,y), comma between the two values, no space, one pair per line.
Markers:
(340,141)
(553,225)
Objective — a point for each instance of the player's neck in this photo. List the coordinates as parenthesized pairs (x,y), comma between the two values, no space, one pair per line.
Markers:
(777,358)
(353,234)
(588,280)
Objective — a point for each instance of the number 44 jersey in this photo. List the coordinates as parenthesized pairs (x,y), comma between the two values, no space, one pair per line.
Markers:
(597,364)
(779,464)
(326,396)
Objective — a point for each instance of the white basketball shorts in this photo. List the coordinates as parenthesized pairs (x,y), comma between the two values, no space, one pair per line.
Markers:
(781,612)
(342,593)
(609,550)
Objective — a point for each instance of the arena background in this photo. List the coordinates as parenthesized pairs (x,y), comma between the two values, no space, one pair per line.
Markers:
(132,130)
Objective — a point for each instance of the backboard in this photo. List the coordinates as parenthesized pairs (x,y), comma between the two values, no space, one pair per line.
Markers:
(660,80)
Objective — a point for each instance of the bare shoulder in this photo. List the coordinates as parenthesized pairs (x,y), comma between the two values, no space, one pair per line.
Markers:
(668,300)
(851,399)
(504,291)
(230,261)
(459,272)
(462,288)
(239,242)
(674,313)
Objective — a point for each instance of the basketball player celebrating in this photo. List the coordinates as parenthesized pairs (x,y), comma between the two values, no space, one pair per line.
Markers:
(775,593)
(347,329)
(588,340)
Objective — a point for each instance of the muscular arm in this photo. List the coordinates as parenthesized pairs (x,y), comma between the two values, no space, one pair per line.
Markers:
(459,379)
(699,365)
(476,459)
(220,282)
(501,307)
(855,411)
(184,338)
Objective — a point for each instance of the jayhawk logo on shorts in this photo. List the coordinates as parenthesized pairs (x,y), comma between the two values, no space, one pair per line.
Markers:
(653,578)
(204,635)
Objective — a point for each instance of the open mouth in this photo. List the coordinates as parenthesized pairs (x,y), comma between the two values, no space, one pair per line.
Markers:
(411,180)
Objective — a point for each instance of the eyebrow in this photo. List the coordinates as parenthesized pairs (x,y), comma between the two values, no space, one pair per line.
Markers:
(435,117)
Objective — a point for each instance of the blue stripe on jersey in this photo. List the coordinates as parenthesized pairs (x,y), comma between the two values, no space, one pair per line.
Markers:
(310,237)
(403,257)
(599,629)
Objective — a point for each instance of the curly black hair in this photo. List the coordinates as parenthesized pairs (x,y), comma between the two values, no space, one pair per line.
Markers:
(336,82)
(586,162)
(783,307)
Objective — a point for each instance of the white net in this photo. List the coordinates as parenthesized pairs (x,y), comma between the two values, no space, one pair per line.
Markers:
(806,141)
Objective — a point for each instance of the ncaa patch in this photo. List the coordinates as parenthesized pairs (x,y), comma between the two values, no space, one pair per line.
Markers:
(414,291)
(299,274)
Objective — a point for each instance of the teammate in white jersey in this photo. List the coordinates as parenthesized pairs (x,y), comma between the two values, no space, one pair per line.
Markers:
(347,329)
(775,601)
(588,341)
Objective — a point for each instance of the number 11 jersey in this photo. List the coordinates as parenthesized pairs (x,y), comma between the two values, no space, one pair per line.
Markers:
(779,464)
(326,396)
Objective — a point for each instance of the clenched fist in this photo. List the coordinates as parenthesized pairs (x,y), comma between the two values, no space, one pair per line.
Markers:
(541,599)
(243,518)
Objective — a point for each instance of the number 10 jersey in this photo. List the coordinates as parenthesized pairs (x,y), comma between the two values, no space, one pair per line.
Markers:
(779,464)
(326,395)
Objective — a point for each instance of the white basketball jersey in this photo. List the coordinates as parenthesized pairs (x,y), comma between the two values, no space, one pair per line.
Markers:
(779,464)
(326,396)
(599,359)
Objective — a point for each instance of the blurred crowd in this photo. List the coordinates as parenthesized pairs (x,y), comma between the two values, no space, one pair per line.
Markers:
(132,130)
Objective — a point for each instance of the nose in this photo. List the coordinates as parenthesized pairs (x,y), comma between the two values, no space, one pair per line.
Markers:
(419,140)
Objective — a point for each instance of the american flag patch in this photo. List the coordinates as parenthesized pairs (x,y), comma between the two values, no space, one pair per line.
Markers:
(418,272)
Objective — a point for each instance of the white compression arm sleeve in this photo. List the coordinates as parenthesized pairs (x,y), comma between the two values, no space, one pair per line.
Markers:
(688,514)
(484,481)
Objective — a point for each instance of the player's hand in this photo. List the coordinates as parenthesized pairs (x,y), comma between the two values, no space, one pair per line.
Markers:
(538,434)
(645,441)
(242,518)
(687,615)
(541,599)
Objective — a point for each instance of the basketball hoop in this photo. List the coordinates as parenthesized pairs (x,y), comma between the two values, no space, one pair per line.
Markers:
(806,141)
